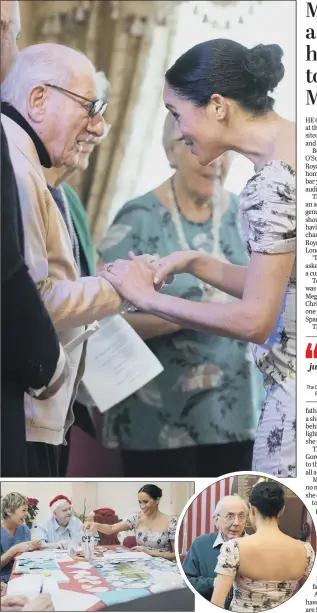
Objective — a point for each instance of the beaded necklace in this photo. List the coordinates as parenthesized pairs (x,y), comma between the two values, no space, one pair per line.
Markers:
(217,212)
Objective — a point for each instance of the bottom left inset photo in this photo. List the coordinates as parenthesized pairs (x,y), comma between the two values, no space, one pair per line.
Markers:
(92,546)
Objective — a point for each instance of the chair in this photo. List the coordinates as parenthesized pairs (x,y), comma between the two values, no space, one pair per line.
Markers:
(129,541)
(107,516)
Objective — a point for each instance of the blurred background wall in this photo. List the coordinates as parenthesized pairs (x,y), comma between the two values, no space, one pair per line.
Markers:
(121,496)
(134,42)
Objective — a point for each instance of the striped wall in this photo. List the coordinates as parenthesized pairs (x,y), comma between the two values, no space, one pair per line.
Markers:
(198,519)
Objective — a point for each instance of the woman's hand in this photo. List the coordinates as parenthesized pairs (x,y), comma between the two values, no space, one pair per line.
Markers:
(62,544)
(133,280)
(90,526)
(144,549)
(41,603)
(13,603)
(151,261)
(3,588)
(23,547)
(175,263)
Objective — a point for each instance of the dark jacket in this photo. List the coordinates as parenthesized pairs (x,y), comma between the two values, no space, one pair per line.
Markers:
(29,345)
(200,563)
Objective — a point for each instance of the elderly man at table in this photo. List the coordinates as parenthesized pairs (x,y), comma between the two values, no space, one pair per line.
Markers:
(199,566)
(62,527)
(46,120)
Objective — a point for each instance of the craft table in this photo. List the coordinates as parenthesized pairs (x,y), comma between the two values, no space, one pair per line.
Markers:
(122,582)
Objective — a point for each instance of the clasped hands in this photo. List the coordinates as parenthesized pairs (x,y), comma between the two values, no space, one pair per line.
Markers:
(138,278)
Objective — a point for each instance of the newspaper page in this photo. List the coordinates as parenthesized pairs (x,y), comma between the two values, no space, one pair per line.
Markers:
(306,485)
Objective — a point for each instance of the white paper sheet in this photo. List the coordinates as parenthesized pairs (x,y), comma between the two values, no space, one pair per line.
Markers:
(59,576)
(83,565)
(127,556)
(167,579)
(66,600)
(63,556)
(30,585)
(118,363)
(35,555)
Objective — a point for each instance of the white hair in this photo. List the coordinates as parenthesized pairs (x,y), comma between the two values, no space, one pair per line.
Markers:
(39,64)
(224,499)
(102,85)
(9,10)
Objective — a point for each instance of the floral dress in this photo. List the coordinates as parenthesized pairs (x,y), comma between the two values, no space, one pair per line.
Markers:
(210,392)
(268,221)
(149,538)
(251,595)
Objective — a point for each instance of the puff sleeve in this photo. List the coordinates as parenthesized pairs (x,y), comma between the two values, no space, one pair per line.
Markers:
(268,210)
(228,559)
(172,529)
(132,521)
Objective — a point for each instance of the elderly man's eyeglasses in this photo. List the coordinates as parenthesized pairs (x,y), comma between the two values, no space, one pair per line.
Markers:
(93,106)
(230,517)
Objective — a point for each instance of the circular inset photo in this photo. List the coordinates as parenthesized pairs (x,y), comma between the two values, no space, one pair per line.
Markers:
(246,543)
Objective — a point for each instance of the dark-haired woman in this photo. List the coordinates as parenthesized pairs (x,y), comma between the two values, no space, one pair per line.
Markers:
(218,94)
(154,531)
(266,568)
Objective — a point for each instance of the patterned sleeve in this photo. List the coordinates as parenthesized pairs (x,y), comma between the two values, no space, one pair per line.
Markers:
(172,529)
(310,559)
(228,559)
(132,521)
(269,210)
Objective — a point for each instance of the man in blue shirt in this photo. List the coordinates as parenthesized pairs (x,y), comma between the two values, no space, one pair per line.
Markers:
(63,527)
(199,566)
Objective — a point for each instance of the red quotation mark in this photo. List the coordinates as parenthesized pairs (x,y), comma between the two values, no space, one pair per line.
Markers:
(310,353)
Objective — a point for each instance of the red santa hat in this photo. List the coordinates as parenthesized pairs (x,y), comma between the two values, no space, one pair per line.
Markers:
(57,501)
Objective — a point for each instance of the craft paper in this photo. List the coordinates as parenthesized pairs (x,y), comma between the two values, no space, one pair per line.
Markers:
(121,595)
(67,600)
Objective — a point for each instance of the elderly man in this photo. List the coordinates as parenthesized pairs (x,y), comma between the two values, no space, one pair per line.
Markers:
(62,527)
(75,217)
(31,354)
(46,122)
(199,566)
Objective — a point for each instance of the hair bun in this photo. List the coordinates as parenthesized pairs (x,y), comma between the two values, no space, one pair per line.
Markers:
(271,495)
(264,63)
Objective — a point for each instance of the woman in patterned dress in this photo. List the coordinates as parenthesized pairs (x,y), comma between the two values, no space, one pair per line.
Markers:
(266,568)
(154,530)
(199,416)
(218,94)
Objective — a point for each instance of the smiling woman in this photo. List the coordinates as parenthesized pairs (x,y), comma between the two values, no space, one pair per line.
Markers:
(15,535)
(154,531)
(218,92)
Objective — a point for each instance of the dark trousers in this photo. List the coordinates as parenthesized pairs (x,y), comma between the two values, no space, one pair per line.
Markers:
(13,444)
(42,460)
(83,421)
(200,461)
